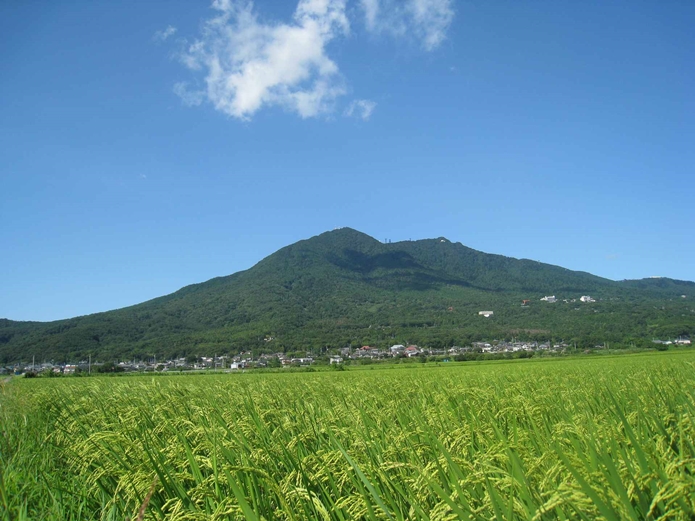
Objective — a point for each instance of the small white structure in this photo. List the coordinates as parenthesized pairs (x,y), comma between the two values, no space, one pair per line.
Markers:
(587,298)
(550,298)
(398,348)
(486,314)
(683,341)
(336,360)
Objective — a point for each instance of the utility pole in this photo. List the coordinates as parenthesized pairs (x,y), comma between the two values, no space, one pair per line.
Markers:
(89,367)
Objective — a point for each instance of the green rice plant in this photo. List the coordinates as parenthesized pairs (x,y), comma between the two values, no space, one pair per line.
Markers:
(609,438)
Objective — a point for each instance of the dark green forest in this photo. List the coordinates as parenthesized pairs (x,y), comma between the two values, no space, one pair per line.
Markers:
(345,288)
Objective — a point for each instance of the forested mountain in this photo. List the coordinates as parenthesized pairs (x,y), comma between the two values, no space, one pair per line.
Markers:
(344,287)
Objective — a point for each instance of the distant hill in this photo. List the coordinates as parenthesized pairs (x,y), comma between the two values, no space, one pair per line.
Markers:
(344,287)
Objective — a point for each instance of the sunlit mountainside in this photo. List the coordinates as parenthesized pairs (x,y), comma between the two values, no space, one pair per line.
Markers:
(345,288)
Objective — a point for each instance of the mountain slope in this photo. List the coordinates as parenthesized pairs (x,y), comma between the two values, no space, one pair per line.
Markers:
(346,287)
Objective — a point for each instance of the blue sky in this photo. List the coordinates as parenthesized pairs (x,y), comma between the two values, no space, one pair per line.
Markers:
(150,145)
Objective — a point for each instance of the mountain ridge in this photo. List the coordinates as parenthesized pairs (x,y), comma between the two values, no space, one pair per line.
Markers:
(333,287)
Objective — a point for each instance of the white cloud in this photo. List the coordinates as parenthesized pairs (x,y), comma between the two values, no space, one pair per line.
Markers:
(427,20)
(162,35)
(250,64)
(190,98)
(371,12)
(361,108)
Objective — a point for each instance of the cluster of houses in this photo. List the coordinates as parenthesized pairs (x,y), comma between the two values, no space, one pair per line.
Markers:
(20,369)
(680,341)
(400,350)
(246,360)
(243,360)
(395,351)
(552,298)
(511,347)
(548,298)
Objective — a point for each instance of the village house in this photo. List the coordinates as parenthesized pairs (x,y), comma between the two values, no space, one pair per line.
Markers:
(302,361)
(396,349)
(411,351)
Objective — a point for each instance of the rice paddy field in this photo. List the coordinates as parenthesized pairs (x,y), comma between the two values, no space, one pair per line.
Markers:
(586,438)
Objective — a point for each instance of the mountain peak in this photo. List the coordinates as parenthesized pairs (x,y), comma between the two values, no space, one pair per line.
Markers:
(342,238)
(345,231)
